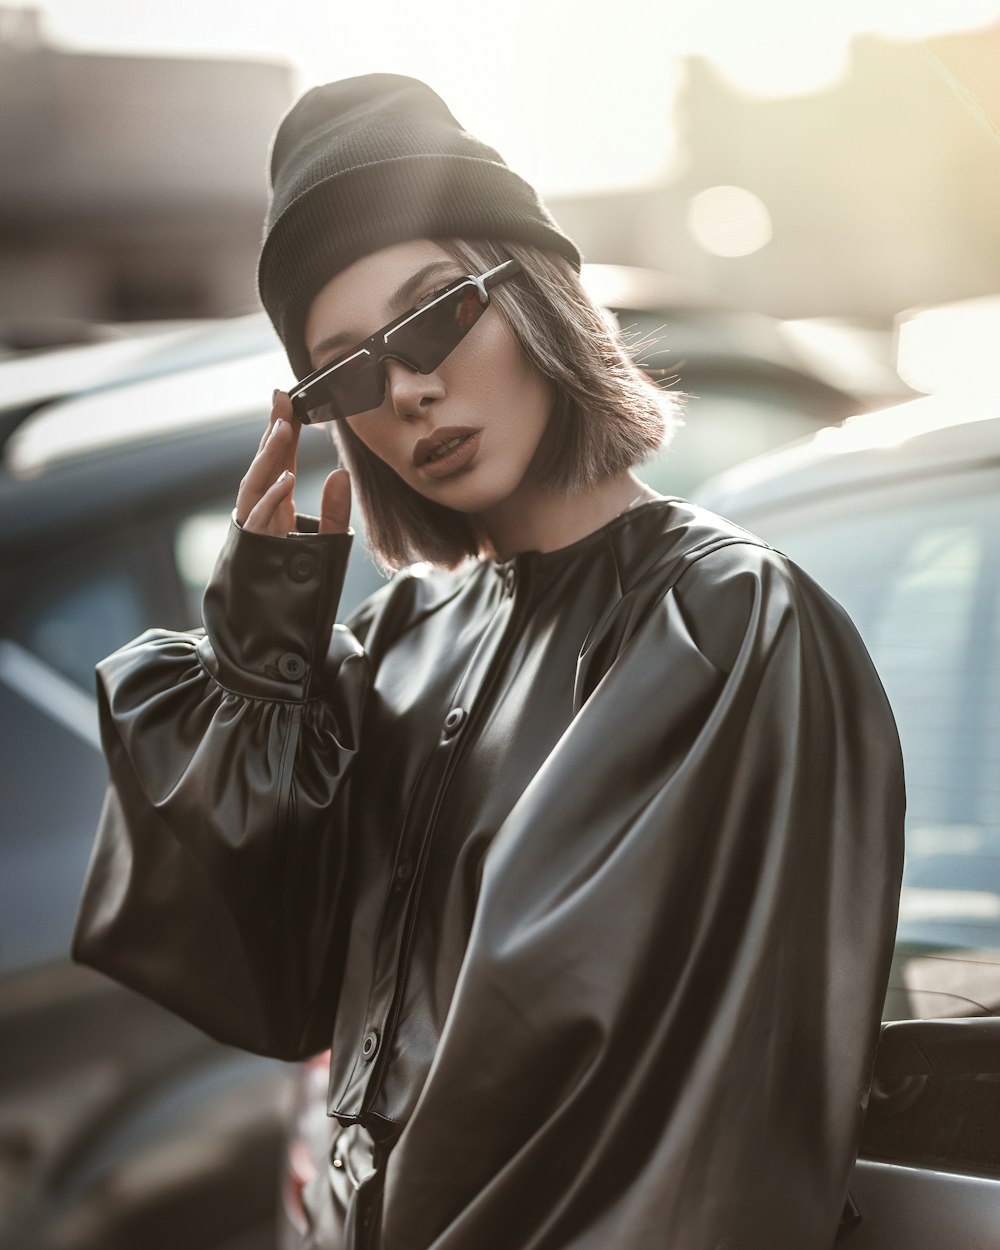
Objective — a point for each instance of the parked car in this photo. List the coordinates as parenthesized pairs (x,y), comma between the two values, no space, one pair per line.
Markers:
(897,514)
(120,1126)
(752,382)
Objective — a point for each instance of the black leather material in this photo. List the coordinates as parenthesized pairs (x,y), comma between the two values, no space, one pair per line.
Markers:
(588,864)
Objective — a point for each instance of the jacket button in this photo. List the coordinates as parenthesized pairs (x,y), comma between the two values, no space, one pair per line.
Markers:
(301,567)
(370,1045)
(291,666)
(510,581)
(453,721)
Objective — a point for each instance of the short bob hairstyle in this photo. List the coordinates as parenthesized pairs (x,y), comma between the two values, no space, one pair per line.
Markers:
(608,415)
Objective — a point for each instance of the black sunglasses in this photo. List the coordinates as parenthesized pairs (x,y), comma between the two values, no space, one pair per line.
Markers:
(420,338)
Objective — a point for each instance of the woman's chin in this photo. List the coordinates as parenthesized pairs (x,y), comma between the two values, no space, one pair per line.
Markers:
(471,494)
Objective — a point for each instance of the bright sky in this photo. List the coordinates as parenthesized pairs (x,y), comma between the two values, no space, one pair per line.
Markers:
(602,76)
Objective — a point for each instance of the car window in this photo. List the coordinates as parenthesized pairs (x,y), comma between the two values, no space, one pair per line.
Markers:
(60,612)
(198,539)
(917,568)
(52,780)
(71,610)
(725,425)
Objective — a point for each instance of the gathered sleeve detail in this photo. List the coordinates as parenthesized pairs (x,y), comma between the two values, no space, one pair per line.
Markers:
(219,880)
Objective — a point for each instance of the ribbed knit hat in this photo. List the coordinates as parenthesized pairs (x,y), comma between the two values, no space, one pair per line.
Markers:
(366,162)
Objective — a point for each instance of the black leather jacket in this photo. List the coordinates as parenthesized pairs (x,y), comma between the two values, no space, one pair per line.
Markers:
(587,863)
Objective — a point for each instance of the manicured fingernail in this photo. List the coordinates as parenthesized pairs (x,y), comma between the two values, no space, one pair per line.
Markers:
(277,426)
(275,393)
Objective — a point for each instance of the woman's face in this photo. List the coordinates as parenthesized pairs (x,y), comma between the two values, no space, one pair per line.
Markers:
(485,407)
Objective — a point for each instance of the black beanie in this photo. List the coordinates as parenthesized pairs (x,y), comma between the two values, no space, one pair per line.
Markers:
(366,162)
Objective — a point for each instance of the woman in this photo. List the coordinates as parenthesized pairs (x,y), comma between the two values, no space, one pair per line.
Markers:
(583,849)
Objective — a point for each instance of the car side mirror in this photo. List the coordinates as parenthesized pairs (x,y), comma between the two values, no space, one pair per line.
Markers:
(958,1047)
(912,1052)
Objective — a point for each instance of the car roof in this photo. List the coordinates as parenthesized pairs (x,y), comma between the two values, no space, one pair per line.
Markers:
(933,434)
(188,398)
(32,378)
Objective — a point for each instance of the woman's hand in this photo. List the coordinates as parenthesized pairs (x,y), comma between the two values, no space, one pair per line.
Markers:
(265,503)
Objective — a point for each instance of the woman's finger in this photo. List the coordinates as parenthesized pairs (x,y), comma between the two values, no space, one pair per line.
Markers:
(276,454)
(276,411)
(291,427)
(274,512)
(335,506)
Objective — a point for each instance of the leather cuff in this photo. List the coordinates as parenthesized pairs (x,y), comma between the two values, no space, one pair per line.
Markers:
(269,609)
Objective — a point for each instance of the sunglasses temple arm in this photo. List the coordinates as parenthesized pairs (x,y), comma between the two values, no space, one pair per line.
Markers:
(502,272)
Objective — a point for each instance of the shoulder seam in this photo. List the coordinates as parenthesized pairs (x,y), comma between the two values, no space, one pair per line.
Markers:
(711,545)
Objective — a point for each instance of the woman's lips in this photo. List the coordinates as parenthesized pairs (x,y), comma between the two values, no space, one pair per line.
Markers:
(446,451)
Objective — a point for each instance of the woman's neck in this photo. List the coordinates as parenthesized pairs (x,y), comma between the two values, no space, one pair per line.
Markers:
(546,520)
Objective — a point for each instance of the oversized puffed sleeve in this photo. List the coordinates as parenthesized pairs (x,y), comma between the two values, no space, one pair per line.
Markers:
(664,1026)
(217,881)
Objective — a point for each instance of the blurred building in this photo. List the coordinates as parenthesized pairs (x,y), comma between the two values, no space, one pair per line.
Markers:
(881,192)
(130,187)
(133,188)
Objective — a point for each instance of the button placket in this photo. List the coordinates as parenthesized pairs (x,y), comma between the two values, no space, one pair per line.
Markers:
(363,1080)
(402,876)
(291,666)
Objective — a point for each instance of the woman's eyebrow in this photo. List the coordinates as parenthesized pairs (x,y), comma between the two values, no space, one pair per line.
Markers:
(402,297)
(399,302)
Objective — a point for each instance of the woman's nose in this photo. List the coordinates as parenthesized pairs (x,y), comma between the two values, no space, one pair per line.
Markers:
(410,392)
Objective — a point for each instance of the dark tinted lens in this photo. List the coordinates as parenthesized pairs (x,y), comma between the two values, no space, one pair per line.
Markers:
(351,387)
(311,408)
(428,336)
